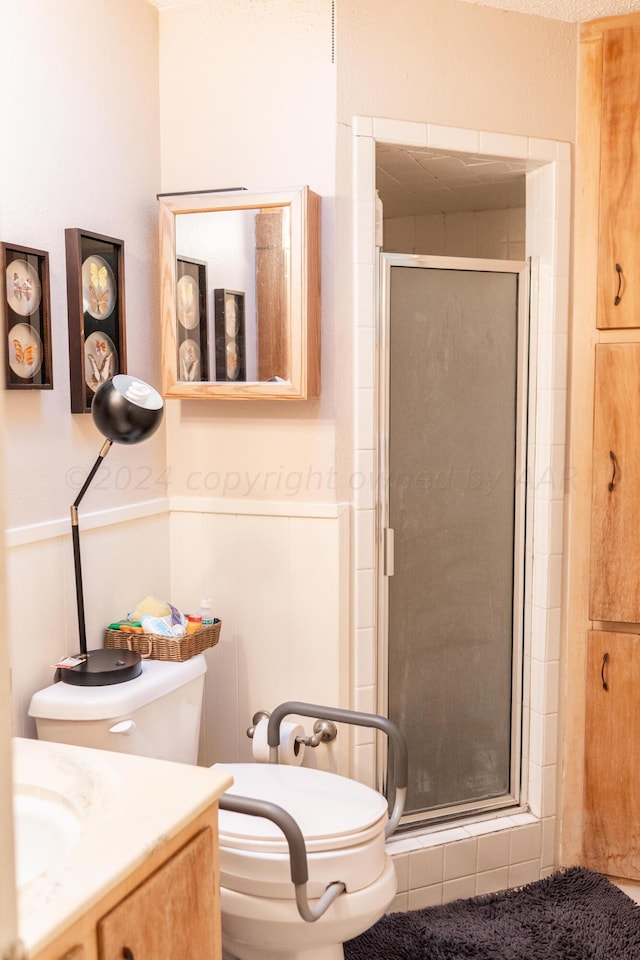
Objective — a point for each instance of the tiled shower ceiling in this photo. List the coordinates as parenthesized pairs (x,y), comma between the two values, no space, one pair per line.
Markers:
(413,181)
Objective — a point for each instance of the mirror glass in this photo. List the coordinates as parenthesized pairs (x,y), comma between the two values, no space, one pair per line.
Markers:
(242,261)
(239,316)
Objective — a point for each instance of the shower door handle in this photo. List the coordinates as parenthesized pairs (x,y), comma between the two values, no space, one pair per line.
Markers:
(389,548)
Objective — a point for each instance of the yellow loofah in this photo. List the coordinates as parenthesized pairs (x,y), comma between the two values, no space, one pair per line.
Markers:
(150,607)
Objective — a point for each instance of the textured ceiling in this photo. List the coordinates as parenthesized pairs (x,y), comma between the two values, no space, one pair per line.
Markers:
(575,10)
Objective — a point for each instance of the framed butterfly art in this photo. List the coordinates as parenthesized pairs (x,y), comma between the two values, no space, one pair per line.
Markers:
(192,337)
(27,312)
(230,335)
(96,313)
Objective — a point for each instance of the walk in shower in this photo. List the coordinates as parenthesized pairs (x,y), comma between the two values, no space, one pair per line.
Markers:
(453,418)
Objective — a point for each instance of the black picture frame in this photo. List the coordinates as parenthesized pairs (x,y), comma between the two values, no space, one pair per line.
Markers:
(96,313)
(231,364)
(27,313)
(192,336)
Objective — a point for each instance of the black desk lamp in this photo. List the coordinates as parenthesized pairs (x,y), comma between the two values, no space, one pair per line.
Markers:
(125,410)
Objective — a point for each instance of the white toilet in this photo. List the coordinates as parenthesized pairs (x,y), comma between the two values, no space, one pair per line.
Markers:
(343,822)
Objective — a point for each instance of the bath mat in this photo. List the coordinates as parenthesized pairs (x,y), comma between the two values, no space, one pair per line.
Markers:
(573,914)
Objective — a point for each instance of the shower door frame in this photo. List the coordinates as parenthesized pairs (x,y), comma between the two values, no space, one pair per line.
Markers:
(521,546)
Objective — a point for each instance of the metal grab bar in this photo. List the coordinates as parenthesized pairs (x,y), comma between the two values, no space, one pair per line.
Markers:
(392,730)
(297,851)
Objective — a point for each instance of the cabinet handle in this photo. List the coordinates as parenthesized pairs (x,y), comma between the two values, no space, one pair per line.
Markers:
(605,685)
(127,954)
(614,461)
(618,297)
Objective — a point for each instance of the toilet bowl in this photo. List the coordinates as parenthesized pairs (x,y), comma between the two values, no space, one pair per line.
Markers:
(343,822)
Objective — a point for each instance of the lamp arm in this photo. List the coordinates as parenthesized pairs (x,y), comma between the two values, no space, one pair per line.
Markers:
(106,446)
(75,538)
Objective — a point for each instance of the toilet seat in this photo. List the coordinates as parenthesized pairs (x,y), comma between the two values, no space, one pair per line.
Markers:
(342,822)
(331,811)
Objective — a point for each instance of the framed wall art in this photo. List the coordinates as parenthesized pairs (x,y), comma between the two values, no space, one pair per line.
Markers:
(230,345)
(96,312)
(27,311)
(192,339)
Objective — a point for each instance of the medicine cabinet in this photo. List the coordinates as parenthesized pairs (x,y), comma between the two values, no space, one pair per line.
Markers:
(240,295)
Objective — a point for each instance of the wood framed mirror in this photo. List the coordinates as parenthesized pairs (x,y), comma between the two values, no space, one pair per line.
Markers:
(240,295)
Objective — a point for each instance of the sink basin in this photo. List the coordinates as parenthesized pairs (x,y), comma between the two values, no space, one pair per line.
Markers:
(46,829)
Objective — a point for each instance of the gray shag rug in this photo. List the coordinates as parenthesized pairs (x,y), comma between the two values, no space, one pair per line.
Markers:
(573,914)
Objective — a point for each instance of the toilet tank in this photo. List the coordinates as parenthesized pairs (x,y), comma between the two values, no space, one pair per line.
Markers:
(154,715)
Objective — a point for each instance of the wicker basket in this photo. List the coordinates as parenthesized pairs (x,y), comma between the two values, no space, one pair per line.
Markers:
(152,647)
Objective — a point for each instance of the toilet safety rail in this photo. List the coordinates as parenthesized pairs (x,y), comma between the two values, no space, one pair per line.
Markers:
(271,811)
(297,851)
(392,730)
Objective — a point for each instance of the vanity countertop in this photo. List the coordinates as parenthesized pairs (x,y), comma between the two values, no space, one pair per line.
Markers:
(127,805)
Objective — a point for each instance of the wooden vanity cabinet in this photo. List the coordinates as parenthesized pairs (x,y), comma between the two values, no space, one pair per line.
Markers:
(167,909)
(171,916)
(615,504)
(619,181)
(612,755)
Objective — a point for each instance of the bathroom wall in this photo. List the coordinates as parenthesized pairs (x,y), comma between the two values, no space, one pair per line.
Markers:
(446,62)
(250,87)
(81,150)
(487,234)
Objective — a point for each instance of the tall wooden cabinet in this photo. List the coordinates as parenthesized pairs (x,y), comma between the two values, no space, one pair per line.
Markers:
(600,802)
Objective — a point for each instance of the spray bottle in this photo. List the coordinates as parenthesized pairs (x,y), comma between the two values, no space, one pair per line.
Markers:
(205,613)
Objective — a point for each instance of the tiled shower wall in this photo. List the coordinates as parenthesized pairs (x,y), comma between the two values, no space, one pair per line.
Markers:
(437,865)
(485,234)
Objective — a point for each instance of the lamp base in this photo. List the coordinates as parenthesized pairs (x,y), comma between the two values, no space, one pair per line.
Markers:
(103,667)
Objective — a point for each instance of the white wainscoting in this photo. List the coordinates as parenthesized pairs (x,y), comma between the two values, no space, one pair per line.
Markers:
(124,558)
(278,577)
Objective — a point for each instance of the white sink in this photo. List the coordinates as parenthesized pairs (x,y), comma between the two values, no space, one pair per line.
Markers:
(85,819)
(46,829)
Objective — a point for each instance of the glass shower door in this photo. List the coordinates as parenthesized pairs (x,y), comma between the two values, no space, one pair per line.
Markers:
(455,387)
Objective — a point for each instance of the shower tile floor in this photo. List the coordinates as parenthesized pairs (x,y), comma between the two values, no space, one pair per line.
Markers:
(631,889)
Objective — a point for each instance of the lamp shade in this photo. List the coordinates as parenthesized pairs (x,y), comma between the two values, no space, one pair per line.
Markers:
(126,410)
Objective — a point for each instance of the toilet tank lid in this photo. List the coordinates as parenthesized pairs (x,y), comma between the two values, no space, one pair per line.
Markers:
(65,701)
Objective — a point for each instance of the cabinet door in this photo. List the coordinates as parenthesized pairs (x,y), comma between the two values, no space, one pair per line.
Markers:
(612,755)
(174,915)
(619,290)
(615,515)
